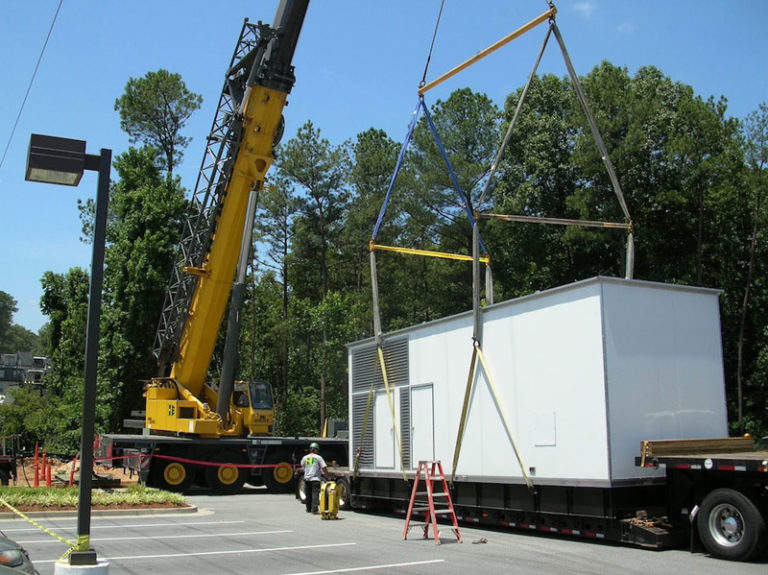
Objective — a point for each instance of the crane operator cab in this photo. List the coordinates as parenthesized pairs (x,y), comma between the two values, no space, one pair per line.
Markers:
(254,401)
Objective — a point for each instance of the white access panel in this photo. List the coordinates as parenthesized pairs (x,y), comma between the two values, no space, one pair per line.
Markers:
(384,433)
(439,355)
(665,368)
(422,425)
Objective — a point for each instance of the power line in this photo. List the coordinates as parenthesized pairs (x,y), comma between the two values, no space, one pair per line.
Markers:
(31,81)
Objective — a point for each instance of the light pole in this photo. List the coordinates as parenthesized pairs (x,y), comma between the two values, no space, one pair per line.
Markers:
(55,160)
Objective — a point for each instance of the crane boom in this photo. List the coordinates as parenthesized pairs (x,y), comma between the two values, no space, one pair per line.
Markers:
(247,127)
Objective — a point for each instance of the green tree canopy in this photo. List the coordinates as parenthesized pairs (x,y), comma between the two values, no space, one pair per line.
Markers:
(143,231)
(694,180)
(154,109)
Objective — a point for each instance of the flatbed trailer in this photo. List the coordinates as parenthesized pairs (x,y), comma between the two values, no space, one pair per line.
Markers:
(711,501)
(716,492)
(594,377)
(177,462)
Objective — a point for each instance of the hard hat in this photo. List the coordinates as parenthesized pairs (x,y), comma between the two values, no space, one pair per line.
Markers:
(314,445)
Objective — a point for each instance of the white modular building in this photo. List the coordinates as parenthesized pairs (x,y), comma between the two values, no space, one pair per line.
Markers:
(583,373)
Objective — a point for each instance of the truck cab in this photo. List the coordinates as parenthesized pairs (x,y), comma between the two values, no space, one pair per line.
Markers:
(254,399)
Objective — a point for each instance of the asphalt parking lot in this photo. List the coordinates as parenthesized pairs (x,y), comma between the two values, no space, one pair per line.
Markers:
(257,532)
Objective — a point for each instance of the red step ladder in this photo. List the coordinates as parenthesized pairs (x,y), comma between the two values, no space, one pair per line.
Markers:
(430,474)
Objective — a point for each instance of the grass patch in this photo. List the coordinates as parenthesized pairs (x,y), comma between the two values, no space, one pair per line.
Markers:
(53,497)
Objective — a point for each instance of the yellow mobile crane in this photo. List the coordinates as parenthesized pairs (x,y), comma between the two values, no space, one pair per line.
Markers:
(219,433)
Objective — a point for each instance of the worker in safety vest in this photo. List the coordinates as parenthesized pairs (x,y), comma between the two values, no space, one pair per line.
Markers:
(314,471)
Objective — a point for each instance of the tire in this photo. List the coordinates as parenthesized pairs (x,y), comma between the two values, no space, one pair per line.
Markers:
(225,479)
(171,475)
(279,479)
(730,526)
(345,495)
(301,489)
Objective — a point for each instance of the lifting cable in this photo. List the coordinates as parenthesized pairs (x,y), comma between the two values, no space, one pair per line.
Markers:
(477,353)
(592,124)
(601,147)
(477,350)
(548,15)
(420,106)
(596,136)
(432,45)
(508,135)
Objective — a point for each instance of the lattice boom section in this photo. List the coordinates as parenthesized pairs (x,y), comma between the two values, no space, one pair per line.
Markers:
(199,226)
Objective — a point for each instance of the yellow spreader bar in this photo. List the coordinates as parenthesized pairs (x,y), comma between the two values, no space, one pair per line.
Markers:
(549,14)
(428,253)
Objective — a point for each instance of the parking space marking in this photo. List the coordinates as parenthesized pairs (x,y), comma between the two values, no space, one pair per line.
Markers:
(370,567)
(130,525)
(211,553)
(158,537)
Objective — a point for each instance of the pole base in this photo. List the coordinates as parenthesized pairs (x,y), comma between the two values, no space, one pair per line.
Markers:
(81,563)
(83,557)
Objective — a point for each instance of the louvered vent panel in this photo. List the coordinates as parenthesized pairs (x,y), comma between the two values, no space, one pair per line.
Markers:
(366,370)
(405,426)
(365,366)
(359,402)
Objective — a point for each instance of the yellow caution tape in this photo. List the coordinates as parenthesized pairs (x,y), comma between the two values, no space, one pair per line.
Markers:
(28,519)
(391,408)
(503,413)
(83,542)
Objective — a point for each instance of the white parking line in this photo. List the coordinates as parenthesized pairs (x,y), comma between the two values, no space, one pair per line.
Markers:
(370,567)
(210,553)
(157,537)
(128,525)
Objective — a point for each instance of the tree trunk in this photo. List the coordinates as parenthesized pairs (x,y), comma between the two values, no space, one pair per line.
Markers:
(744,309)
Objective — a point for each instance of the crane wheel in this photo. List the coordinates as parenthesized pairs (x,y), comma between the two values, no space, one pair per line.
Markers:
(171,475)
(226,478)
(278,478)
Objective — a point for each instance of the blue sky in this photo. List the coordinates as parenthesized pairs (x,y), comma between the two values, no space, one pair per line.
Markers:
(358,64)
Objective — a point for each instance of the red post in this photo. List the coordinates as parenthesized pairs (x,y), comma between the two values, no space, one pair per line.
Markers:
(48,479)
(72,471)
(36,482)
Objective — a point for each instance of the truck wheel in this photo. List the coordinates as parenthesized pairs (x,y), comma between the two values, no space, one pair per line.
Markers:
(171,475)
(342,486)
(730,526)
(279,479)
(225,479)
(301,489)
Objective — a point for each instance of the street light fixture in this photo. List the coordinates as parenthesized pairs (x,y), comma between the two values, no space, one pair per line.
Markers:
(56,160)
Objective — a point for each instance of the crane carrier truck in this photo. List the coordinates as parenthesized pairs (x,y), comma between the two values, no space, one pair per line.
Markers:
(593,416)
(221,434)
